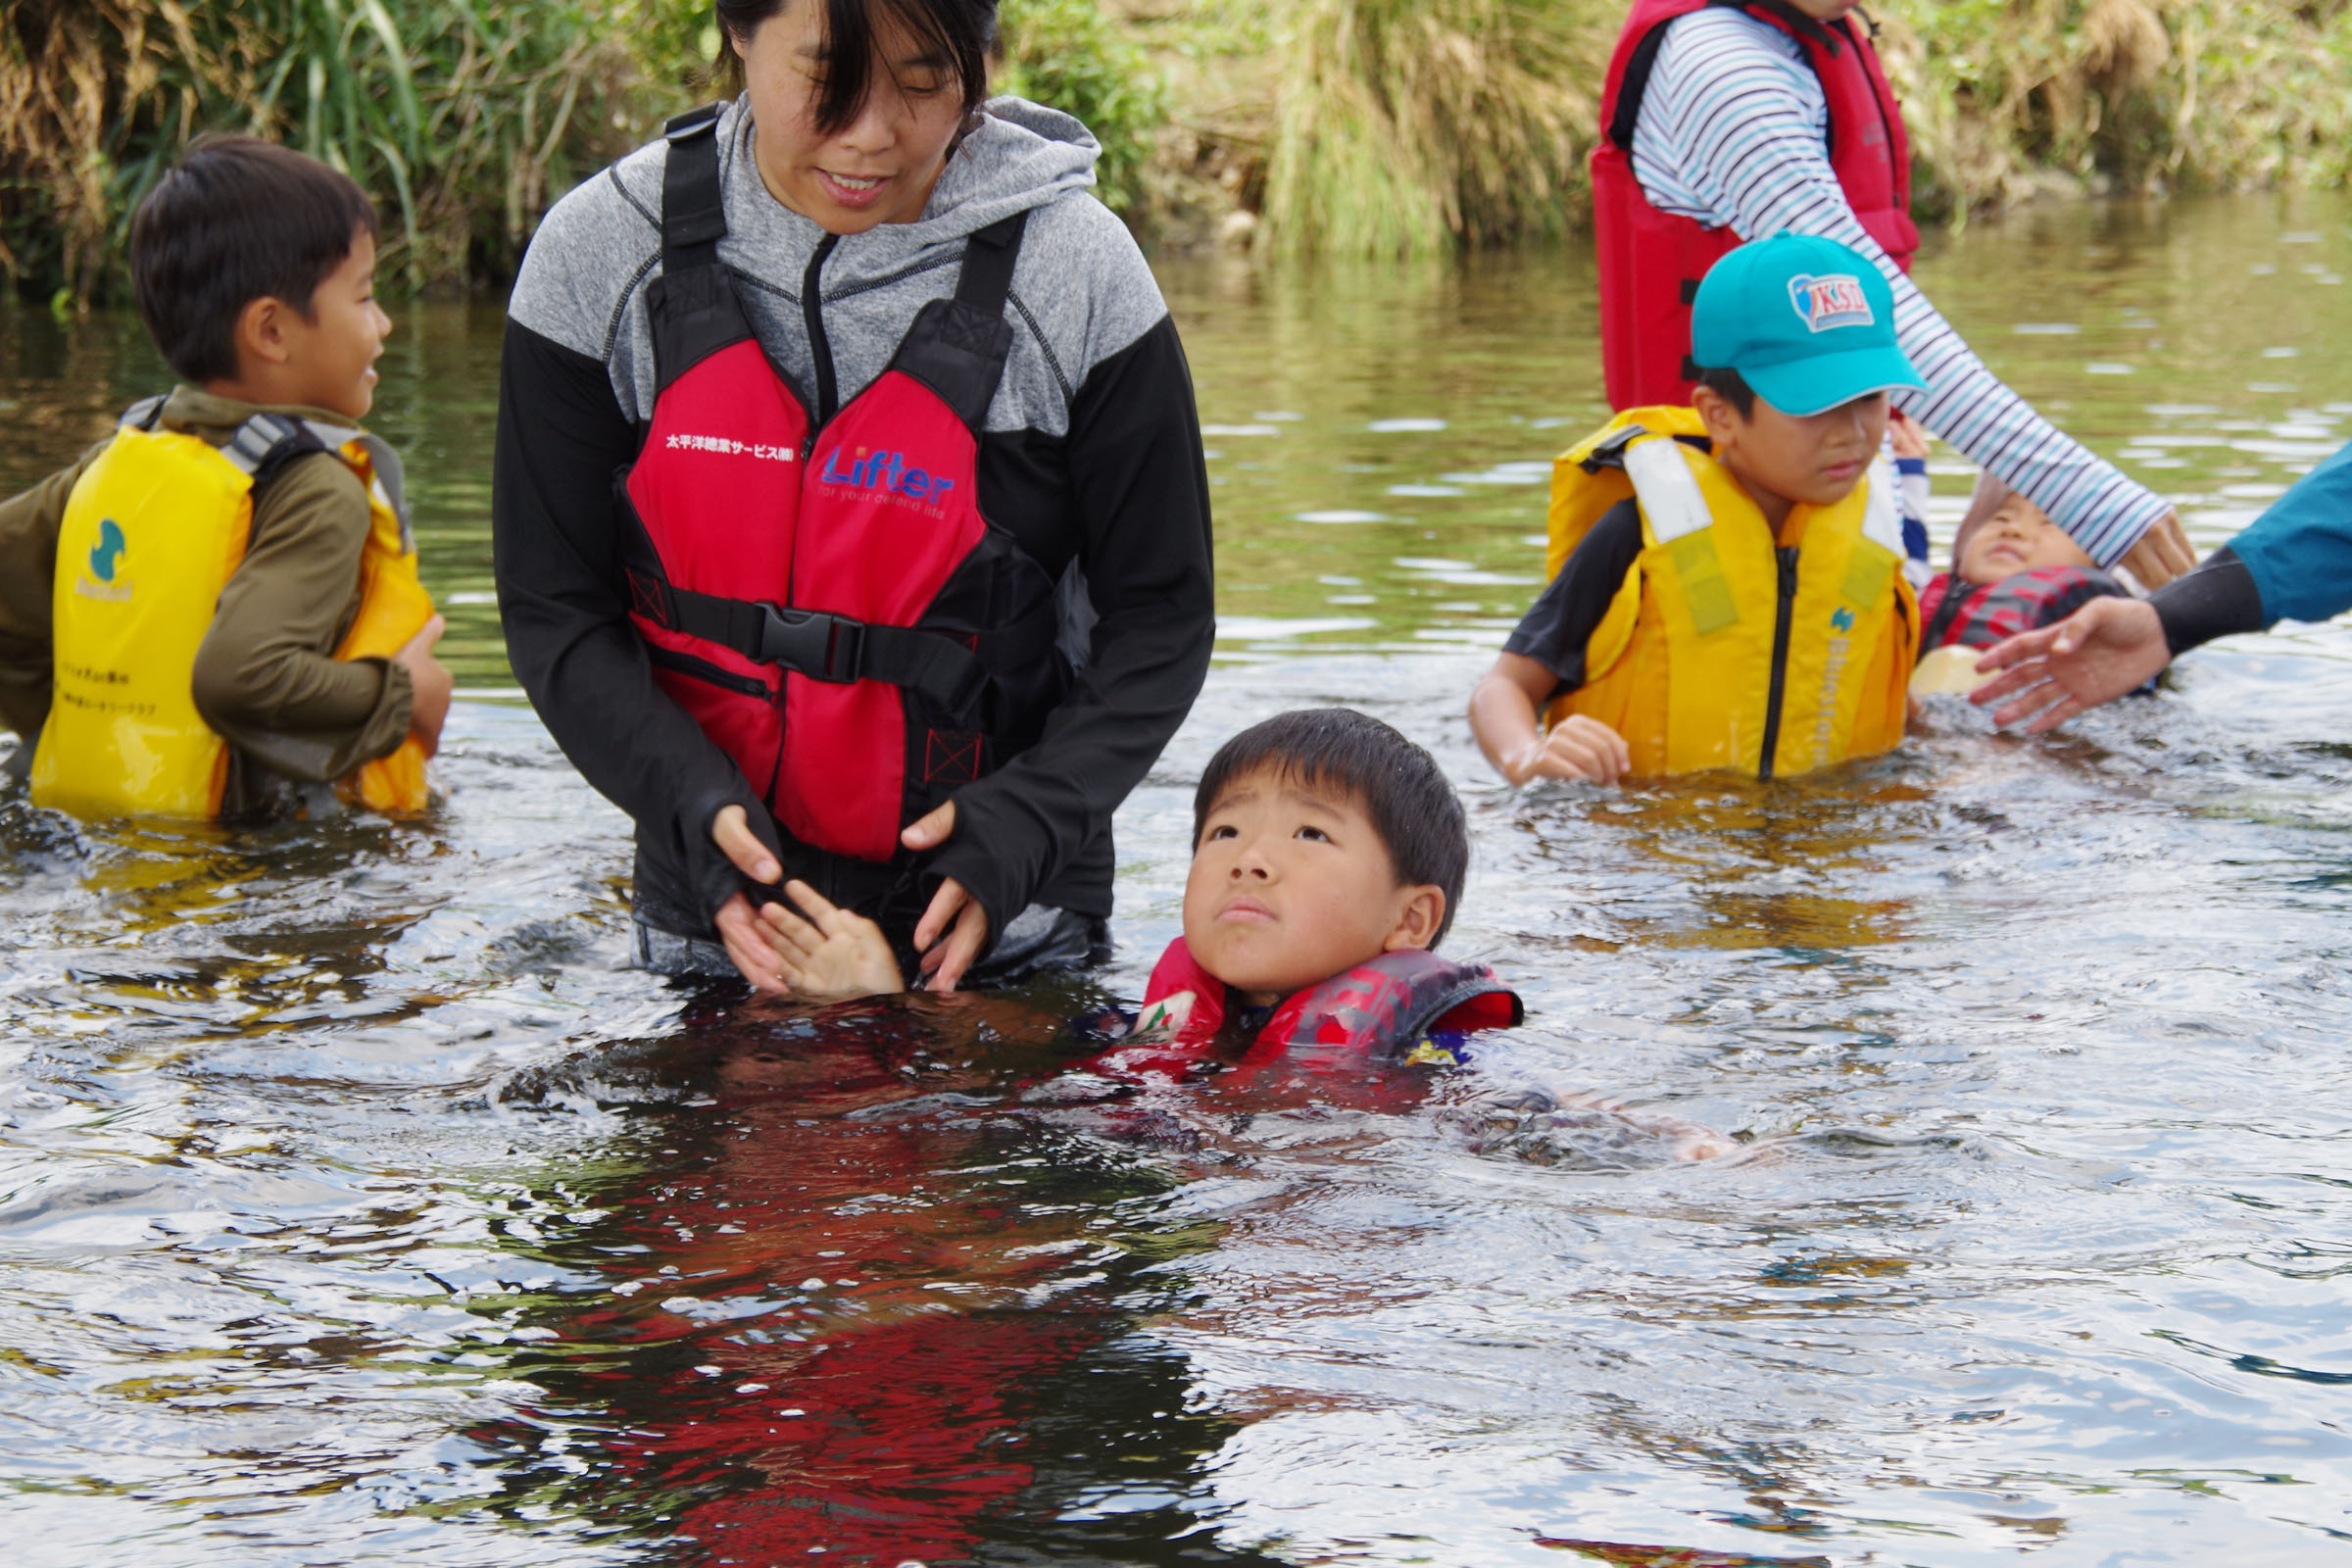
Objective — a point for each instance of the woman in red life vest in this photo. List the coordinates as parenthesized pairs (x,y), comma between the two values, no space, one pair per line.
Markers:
(850,514)
(1725,121)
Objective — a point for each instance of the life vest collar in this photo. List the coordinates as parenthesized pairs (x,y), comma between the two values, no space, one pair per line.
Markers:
(1385,1007)
(1665,469)
(267,440)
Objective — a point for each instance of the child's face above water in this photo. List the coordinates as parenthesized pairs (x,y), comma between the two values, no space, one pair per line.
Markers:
(333,350)
(1291,884)
(2018,537)
(1816,459)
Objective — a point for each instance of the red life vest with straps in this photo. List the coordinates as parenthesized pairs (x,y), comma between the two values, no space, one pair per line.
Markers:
(818,588)
(1385,1007)
(1651,262)
(1968,615)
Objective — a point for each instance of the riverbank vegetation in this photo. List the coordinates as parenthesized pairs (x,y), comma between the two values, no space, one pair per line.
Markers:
(1352,127)
(463,120)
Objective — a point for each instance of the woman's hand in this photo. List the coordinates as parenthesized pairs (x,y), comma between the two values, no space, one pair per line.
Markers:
(2161,553)
(2105,649)
(1579,747)
(745,940)
(832,955)
(944,963)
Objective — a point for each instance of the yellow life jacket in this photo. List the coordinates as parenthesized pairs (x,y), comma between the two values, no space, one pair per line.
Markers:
(1723,649)
(152,532)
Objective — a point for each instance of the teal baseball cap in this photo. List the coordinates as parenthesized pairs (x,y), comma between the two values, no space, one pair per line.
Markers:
(1806,321)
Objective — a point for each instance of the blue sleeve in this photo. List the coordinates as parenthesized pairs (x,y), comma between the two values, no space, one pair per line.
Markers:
(2300,551)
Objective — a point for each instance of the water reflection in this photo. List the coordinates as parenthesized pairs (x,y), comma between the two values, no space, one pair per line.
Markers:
(356,1205)
(845,1311)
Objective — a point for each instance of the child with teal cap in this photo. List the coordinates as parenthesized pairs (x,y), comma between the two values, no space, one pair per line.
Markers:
(1726,588)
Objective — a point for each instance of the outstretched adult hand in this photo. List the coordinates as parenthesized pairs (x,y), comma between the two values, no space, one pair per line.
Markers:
(2109,647)
(945,962)
(738,924)
(2161,553)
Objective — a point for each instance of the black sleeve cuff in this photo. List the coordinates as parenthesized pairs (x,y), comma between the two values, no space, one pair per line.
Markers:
(988,861)
(713,876)
(2219,598)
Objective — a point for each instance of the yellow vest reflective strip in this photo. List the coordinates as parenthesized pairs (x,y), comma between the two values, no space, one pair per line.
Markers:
(152,532)
(1690,663)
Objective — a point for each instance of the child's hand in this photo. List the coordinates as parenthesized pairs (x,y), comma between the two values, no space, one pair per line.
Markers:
(1579,747)
(1909,436)
(429,684)
(840,955)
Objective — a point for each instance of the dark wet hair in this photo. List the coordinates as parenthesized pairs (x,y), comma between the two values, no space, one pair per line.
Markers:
(239,220)
(1731,386)
(958,33)
(1400,786)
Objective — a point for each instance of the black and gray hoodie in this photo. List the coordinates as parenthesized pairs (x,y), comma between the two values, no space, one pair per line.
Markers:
(1091,459)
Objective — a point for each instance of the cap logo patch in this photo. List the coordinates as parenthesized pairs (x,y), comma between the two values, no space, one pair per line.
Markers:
(1827,303)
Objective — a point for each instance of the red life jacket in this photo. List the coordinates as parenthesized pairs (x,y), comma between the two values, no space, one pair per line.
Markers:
(1651,263)
(820,591)
(1387,1005)
(1977,616)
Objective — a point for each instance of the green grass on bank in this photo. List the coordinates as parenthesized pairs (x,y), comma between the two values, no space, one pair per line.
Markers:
(464,119)
(1348,127)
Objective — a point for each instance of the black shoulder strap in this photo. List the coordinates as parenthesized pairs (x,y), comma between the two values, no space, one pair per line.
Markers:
(1610,454)
(1957,593)
(989,258)
(693,217)
(958,347)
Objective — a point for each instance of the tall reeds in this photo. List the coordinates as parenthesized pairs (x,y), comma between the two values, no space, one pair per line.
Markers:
(1405,127)
(2134,95)
(461,116)
(1372,127)
(1413,126)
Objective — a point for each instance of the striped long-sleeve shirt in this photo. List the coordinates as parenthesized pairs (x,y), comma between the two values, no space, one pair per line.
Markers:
(1733,130)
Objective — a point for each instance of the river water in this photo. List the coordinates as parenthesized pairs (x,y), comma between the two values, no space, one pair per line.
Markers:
(356,1207)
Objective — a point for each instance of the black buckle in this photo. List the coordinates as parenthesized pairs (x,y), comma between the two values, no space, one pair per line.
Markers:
(1610,454)
(813,643)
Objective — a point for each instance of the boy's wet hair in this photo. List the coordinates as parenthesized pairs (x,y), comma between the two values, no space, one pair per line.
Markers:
(957,33)
(1731,386)
(239,220)
(1398,785)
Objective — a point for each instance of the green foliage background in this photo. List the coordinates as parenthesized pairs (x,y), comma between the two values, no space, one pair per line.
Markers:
(1352,127)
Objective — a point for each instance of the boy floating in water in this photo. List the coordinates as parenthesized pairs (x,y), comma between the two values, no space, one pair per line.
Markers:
(1727,590)
(1328,857)
(1329,854)
(2013,571)
(219,604)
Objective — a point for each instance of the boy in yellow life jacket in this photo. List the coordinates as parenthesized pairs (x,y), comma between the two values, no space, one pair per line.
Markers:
(218,603)
(1726,588)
